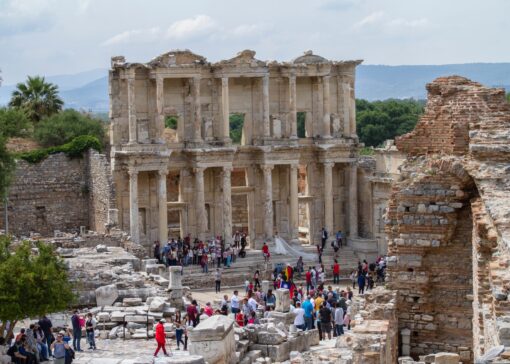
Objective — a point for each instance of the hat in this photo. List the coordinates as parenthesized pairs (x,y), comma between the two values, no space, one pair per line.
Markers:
(162,321)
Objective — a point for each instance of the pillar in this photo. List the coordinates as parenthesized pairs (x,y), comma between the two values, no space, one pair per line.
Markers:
(225,107)
(294,213)
(134,228)
(131,106)
(160,118)
(197,113)
(268,201)
(200,216)
(163,209)
(292,106)
(353,200)
(265,105)
(346,105)
(327,107)
(328,197)
(227,205)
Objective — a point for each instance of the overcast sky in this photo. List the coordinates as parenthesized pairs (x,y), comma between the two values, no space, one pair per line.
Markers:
(49,37)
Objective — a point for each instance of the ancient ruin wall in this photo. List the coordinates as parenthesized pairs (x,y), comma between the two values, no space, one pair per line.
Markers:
(47,196)
(448,226)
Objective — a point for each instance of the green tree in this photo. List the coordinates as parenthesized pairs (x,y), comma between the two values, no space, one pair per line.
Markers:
(7,166)
(380,120)
(301,127)
(171,122)
(236,127)
(31,284)
(63,127)
(38,97)
(508,97)
(14,122)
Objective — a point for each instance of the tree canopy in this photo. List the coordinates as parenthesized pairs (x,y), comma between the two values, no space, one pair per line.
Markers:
(63,127)
(37,97)
(380,120)
(236,127)
(14,122)
(32,283)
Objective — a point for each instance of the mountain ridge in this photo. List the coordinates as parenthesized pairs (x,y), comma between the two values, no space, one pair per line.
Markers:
(88,90)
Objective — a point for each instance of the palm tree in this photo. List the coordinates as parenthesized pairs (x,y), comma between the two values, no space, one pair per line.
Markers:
(37,97)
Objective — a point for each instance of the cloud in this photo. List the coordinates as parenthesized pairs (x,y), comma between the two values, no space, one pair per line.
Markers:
(18,17)
(405,23)
(135,35)
(190,27)
(370,19)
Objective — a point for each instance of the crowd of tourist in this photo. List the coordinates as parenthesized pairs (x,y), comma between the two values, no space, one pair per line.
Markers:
(207,254)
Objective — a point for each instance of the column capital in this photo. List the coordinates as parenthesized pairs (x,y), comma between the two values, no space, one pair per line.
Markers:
(224,81)
(133,172)
(326,78)
(267,168)
(294,166)
(197,78)
(131,73)
(228,169)
(163,172)
(329,164)
(198,170)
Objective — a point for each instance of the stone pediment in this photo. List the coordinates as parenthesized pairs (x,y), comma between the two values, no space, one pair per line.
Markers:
(243,58)
(309,58)
(177,58)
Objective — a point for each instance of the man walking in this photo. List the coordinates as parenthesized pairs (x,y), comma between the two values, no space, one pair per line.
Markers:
(75,321)
(217,280)
(308,308)
(324,237)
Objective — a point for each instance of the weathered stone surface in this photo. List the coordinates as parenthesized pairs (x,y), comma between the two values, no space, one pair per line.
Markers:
(106,295)
(214,340)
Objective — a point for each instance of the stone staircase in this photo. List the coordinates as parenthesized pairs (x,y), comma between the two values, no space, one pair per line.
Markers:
(244,268)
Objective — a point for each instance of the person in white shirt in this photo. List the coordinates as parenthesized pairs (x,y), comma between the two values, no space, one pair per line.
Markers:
(339,321)
(234,303)
(252,303)
(299,320)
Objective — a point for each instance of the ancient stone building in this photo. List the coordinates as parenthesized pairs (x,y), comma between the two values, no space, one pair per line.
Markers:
(448,223)
(187,180)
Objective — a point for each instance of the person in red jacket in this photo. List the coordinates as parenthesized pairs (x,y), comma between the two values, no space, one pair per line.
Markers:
(336,272)
(308,277)
(265,252)
(160,337)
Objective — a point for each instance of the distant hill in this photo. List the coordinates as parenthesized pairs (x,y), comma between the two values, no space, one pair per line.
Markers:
(89,90)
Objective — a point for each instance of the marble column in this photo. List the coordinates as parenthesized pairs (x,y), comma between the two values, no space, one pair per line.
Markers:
(294,213)
(163,208)
(197,113)
(268,201)
(131,107)
(134,228)
(346,104)
(225,108)
(292,106)
(265,106)
(227,204)
(160,118)
(200,213)
(353,200)
(327,107)
(328,197)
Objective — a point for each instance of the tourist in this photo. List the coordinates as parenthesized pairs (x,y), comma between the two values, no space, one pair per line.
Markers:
(299,319)
(300,267)
(270,299)
(265,253)
(308,315)
(336,272)
(90,326)
(339,238)
(339,320)
(347,316)
(239,317)
(237,239)
(361,283)
(253,319)
(208,309)
(324,237)
(59,348)
(14,351)
(204,263)
(353,279)
(46,325)
(42,347)
(234,303)
(289,272)
(192,313)
(308,278)
(319,253)
(325,320)
(246,310)
(160,337)
(252,303)
(349,293)
(217,280)
(256,278)
(75,322)
(179,328)
(31,343)
(157,251)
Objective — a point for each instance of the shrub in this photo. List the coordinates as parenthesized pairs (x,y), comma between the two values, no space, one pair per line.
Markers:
(73,149)
(14,122)
(63,127)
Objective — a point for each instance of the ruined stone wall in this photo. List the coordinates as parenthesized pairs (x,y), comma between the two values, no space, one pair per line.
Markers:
(447,224)
(101,191)
(47,196)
